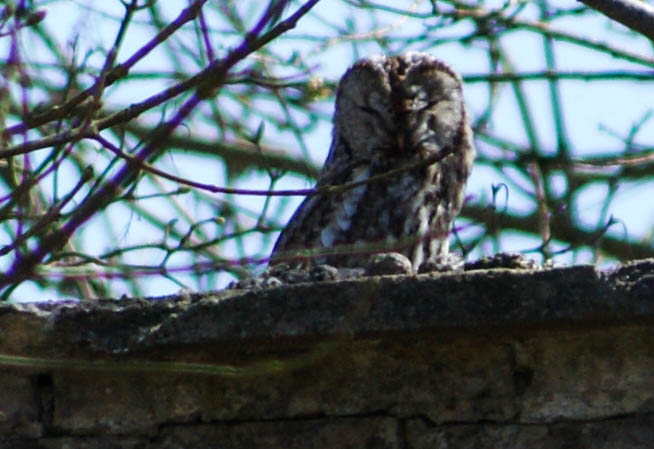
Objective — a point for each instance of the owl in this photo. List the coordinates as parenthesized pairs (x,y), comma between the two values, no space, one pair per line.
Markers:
(393,114)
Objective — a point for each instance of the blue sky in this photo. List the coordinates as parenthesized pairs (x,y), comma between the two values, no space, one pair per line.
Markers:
(594,111)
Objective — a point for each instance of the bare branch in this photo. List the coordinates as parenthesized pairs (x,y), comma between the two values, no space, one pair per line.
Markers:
(634,14)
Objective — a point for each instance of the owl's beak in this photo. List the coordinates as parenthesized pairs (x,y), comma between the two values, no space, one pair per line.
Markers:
(400,142)
(404,142)
(403,138)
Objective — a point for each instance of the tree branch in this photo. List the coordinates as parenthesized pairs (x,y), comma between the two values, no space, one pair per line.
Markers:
(621,249)
(634,14)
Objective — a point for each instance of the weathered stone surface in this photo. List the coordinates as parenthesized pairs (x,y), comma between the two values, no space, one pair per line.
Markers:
(78,442)
(372,433)
(587,374)
(19,406)
(624,433)
(499,298)
(473,359)
(439,376)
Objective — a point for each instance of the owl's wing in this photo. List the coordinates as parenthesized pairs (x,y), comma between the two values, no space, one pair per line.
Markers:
(300,230)
(305,228)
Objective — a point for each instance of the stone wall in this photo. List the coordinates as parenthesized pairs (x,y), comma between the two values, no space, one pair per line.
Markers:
(556,358)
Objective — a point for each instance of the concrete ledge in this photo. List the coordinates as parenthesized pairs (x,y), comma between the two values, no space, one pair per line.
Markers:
(488,358)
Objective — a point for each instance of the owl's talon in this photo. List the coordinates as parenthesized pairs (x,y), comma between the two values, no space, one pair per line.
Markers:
(388,263)
(448,262)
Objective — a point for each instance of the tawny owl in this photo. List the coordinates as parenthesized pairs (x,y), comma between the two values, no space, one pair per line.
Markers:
(391,112)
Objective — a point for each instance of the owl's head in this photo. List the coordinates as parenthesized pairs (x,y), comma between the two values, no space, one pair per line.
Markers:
(409,105)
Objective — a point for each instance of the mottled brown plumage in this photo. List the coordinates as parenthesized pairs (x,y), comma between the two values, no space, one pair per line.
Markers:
(390,112)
